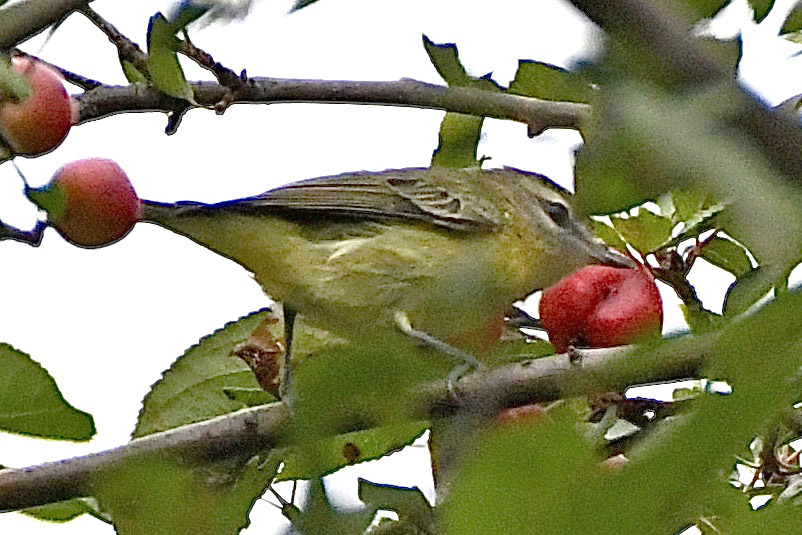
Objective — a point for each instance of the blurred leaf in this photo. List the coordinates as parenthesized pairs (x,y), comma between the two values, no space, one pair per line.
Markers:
(12,83)
(459,137)
(31,403)
(319,517)
(67,510)
(300,4)
(687,203)
(548,82)
(132,74)
(727,255)
(512,476)
(760,8)
(159,497)
(410,503)
(608,234)
(506,352)
(705,8)
(168,76)
(332,453)
(677,140)
(194,388)
(188,12)
(645,231)
(700,320)
(747,290)
(357,386)
(792,23)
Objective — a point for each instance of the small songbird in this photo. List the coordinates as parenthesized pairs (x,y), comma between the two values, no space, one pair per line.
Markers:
(435,254)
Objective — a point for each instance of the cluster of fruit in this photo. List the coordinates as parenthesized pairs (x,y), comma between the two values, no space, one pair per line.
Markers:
(92,203)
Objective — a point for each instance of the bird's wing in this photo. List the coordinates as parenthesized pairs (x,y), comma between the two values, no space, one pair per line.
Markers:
(405,194)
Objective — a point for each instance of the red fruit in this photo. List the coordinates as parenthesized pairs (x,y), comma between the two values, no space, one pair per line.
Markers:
(602,306)
(39,123)
(520,415)
(90,202)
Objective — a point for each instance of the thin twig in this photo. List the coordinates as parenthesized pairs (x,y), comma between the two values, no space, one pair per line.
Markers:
(76,79)
(32,237)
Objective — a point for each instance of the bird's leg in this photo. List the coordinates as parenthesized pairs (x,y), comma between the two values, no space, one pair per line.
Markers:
(466,361)
(286,364)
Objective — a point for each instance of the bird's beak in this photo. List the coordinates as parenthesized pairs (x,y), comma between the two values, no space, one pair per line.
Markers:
(611,257)
(601,252)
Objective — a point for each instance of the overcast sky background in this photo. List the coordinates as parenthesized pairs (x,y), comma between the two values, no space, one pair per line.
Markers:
(105,323)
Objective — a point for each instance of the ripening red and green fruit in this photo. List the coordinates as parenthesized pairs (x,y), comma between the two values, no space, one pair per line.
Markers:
(40,122)
(602,306)
(90,202)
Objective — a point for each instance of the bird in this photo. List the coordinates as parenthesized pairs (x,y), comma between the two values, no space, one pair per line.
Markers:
(429,255)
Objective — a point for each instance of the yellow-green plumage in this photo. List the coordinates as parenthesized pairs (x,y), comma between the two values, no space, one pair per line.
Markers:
(450,249)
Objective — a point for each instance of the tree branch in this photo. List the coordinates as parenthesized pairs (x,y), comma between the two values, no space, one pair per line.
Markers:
(248,431)
(22,20)
(538,114)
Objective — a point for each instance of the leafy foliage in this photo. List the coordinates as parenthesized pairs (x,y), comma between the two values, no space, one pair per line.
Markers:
(199,384)
(166,71)
(31,403)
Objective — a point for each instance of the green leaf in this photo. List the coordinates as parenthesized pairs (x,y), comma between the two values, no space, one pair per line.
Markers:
(792,23)
(132,74)
(645,231)
(31,403)
(459,133)
(548,82)
(187,13)
(509,351)
(166,71)
(300,4)
(747,290)
(410,503)
(687,203)
(157,496)
(699,319)
(511,476)
(332,453)
(761,8)
(445,59)
(728,255)
(194,388)
(250,397)
(67,510)
(608,234)
(705,8)
(459,137)
(12,83)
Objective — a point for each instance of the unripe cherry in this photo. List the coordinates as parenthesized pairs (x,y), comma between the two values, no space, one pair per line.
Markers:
(602,306)
(40,122)
(90,202)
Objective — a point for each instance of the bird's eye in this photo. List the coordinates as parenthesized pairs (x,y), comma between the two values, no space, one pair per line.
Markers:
(558,213)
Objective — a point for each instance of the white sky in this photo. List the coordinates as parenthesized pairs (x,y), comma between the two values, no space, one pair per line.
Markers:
(107,322)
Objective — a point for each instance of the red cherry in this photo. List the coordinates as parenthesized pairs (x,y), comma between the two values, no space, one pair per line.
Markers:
(39,123)
(90,202)
(602,306)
